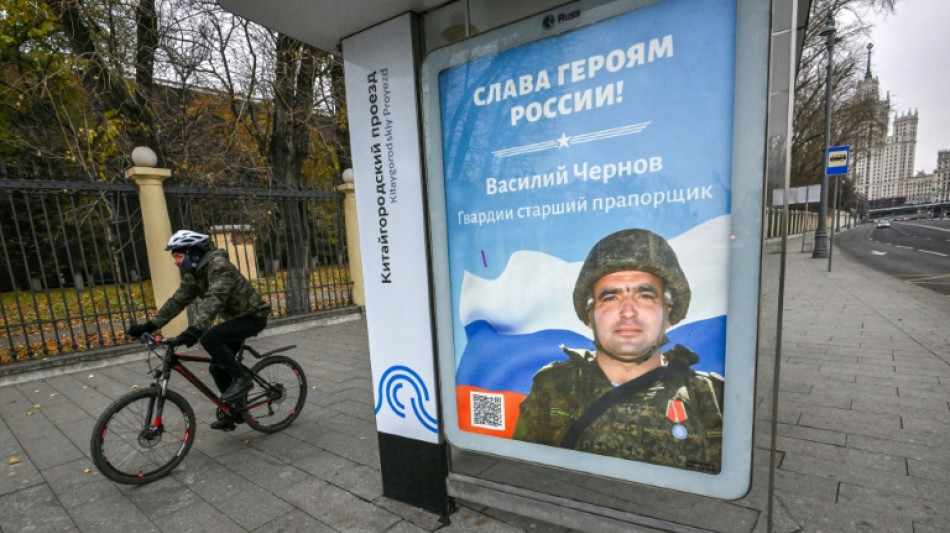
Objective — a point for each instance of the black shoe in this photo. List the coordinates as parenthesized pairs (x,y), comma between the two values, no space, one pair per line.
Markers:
(224,425)
(238,387)
(226,421)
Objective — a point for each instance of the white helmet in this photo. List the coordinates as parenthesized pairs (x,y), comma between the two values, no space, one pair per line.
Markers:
(184,239)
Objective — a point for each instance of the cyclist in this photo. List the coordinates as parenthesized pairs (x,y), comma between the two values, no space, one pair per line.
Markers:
(224,293)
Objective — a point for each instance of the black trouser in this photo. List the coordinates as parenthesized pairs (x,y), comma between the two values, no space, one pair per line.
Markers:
(223,341)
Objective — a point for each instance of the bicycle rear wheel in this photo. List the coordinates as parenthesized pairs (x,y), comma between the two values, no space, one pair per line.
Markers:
(124,449)
(276,406)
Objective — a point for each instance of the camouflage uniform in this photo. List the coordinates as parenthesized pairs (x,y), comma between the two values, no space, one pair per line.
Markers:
(635,428)
(224,293)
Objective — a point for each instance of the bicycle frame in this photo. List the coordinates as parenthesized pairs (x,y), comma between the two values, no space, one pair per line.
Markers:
(173,362)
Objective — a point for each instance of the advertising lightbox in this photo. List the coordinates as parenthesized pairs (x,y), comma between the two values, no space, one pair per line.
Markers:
(595,185)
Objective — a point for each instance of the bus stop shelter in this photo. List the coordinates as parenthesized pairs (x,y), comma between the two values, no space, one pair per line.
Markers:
(493,143)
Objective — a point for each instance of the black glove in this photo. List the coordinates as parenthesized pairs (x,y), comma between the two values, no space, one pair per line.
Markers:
(136,330)
(188,337)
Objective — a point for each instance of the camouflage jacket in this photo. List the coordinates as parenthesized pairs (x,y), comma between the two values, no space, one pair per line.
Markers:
(676,422)
(223,291)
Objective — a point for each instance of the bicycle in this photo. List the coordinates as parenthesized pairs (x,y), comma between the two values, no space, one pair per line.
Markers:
(137,440)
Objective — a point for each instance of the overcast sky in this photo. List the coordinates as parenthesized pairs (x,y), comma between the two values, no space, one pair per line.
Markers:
(910,59)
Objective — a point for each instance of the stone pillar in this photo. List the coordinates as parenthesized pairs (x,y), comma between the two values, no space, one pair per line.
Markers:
(238,241)
(165,275)
(352,236)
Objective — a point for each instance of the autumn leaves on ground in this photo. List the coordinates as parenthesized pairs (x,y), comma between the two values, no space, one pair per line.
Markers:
(68,319)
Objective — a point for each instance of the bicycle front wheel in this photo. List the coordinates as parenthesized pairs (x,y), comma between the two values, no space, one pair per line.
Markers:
(273,407)
(126,450)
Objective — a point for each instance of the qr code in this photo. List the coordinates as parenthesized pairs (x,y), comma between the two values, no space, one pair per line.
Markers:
(488,410)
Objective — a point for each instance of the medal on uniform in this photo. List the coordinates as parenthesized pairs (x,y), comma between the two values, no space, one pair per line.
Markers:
(676,412)
(679,431)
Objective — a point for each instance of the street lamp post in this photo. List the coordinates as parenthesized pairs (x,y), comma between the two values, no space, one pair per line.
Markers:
(821,232)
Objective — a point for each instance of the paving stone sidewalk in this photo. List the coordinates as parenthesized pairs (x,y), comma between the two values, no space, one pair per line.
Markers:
(864,408)
(864,433)
(320,474)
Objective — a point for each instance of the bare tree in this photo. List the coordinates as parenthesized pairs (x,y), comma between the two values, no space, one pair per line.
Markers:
(87,80)
(222,101)
(852,108)
(284,113)
(98,41)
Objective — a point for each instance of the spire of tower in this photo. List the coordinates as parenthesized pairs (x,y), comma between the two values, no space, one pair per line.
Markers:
(867,73)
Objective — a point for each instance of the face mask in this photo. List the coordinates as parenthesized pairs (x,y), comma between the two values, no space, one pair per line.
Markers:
(190,262)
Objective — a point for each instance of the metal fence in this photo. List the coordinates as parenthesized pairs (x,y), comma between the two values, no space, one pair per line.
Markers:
(290,243)
(73,265)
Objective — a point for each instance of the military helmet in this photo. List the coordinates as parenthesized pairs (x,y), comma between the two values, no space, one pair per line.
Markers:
(633,249)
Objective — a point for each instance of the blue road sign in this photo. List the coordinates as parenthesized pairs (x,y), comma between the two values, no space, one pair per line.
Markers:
(837,160)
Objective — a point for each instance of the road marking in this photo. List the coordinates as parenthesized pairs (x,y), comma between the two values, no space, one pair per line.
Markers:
(938,228)
(933,253)
(923,280)
(875,252)
(904,247)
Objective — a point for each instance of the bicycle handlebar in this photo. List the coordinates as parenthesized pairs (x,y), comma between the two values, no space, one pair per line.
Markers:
(154,340)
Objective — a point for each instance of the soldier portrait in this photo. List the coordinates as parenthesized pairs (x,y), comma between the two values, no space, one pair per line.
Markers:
(633,396)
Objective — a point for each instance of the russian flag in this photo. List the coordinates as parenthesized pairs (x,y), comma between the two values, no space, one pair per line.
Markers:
(515,324)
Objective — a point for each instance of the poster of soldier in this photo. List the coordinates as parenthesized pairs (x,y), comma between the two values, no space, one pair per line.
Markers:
(586,179)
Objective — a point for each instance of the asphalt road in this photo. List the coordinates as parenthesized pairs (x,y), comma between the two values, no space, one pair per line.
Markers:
(916,251)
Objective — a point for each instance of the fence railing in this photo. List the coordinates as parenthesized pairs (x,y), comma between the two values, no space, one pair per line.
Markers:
(802,221)
(74,271)
(290,243)
(72,264)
